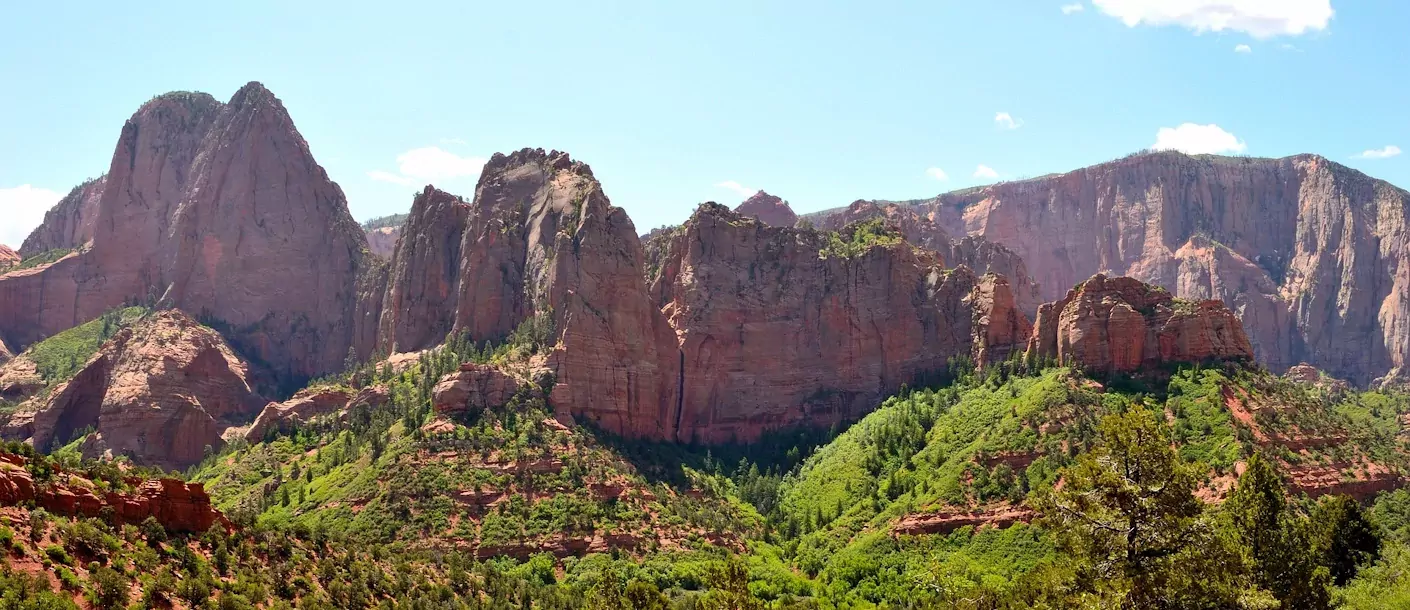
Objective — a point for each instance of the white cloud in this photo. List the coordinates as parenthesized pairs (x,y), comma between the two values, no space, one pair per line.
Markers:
(1068,9)
(1258,18)
(432,163)
(1380,153)
(1195,139)
(937,173)
(382,176)
(1243,48)
(1006,121)
(23,208)
(984,171)
(742,190)
(429,164)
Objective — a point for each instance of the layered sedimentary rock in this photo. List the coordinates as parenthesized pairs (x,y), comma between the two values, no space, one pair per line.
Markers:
(767,209)
(8,257)
(177,505)
(218,209)
(1311,255)
(917,225)
(775,332)
(161,392)
(70,223)
(1120,324)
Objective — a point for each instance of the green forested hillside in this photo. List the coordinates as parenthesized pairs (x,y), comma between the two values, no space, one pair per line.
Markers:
(992,491)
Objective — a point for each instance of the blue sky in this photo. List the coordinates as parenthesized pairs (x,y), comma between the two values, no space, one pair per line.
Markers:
(819,102)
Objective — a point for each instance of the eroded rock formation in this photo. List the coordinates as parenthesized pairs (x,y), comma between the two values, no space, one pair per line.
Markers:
(311,403)
(1123,325)
(177,505)
(1313,257)
(161,392)
(8,257)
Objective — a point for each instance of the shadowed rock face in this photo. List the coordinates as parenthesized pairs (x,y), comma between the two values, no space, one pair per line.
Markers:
(160,391)
(1116,325)
(1311,255)
(70,223)
(218,209)
(767,209)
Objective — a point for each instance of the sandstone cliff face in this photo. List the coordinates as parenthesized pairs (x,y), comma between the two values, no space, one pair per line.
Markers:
(767,209)
(1311,255)
(308,404)
(775,333)
(160,391)
(918,226)
(419,308)
(474,388)
(217,209)
(1122,325)
(70,223)
(383,241)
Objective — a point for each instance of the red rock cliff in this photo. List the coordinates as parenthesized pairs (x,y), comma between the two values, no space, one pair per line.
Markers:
(775,331)
(1122,325)
(218,209)
(1312,256)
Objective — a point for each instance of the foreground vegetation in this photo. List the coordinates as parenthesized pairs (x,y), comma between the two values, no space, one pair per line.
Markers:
(1010,488)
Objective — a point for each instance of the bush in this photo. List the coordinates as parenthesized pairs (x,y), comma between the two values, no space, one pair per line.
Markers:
(58,555)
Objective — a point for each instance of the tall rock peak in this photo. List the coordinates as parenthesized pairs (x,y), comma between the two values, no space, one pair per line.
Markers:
(768,209)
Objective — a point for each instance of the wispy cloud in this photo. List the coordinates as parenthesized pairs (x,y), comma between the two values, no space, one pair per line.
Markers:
(1389,151)
(429,164)
(1257,18)
(1075,7)
(23,207)
(937,173)
(984,171)
(1006,121)
(454,141)
(1243,48)
(742,190)
(1195,139)
(382,176)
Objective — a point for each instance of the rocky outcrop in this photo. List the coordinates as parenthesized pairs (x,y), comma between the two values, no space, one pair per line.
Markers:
(474,388)
(944,521)
(1313,257)
(161,392)
(774,331)
(1308,375)
(1000,328)
(220,210)
(177,505)
(70,223)
(20,379)
(767,209)
(304,406)
(1123,325)
(919,228)
(8,257)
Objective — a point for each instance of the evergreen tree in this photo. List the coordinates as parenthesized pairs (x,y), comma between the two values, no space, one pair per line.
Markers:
(1276,541)
(1344,539)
